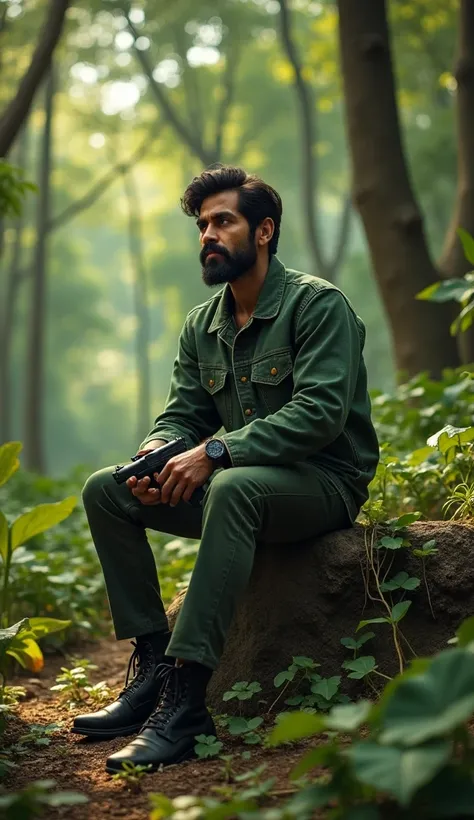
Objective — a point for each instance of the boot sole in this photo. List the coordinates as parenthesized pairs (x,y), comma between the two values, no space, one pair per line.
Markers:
(107,734)
(155,766)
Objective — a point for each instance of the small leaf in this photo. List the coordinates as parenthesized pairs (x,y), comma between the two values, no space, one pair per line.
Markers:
(372,621)
(450,436)
(465,632)
(296,726)
(3,536)
(45,626)
(304,662)
(327,687)
(280,679)
(9,634)
(349,643)
(390,543)
(400,610)
(360,666)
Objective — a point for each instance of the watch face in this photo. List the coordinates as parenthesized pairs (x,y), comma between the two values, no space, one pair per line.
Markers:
(215,449)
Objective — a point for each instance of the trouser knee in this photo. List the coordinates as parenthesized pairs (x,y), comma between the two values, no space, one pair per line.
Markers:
(95,485)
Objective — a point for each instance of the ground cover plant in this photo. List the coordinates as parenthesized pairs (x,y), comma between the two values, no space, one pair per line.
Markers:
(397,750)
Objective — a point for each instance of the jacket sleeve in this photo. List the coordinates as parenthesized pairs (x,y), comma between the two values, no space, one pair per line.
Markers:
(325,371)
(189,411)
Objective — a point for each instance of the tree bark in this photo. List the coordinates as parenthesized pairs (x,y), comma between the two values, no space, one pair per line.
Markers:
(34,388)
(141,300)
(9,307)
(453,263)
(17,110)
(324,265)
(383,194)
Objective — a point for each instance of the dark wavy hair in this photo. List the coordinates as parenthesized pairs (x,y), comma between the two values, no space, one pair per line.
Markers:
(257,199)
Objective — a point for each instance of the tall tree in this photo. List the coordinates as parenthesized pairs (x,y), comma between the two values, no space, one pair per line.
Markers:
(17,110)
(8,313)
(35,387)
(383,194)
(325,264)
(453,262)
(141,300)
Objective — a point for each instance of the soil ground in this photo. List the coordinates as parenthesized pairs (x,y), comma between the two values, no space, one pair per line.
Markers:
(78,764)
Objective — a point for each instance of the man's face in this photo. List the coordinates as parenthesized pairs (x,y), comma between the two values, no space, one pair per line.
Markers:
(228,249)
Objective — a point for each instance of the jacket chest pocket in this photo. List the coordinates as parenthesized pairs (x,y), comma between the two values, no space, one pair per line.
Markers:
(272,378)
(214,382)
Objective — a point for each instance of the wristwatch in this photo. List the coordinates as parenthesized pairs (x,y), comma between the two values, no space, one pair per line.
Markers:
(217,452)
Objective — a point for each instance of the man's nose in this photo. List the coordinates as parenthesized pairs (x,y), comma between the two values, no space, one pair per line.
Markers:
(209,235)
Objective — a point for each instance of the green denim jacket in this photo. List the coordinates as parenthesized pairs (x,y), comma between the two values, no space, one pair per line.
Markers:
(291,385)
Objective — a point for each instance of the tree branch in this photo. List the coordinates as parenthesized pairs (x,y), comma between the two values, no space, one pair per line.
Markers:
(100,186)
(228,97)
(17,110)
(342,238)
(186,135)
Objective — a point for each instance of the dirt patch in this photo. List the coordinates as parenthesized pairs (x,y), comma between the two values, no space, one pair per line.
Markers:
(78,763)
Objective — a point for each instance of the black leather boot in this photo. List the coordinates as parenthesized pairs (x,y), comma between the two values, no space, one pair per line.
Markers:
(135,703)
(169,734)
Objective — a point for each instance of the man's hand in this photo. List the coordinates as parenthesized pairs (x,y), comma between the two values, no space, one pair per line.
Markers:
(141,489)
(183,474)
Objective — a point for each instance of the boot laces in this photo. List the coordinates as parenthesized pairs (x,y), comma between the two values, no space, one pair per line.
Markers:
(174,687)
(139,666)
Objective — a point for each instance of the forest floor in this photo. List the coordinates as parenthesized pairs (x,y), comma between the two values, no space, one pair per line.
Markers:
(78,763)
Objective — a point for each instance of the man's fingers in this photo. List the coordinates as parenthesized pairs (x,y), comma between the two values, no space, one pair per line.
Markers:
(177,493)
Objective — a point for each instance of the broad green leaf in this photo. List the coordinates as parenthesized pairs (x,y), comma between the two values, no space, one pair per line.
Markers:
(327,687)
(296,726)
(237,725)
(9,461)
(304,662)
(361,624)
(3,536)
(417,457)
(465,632)
(360,667)
(467,244)
(39,519)
(433,703)
(322,755)
(45,626)
(349,717)
(400,772)
(352,643)
(449,436)
(349,643)
(400,610)
(407,518)
(7,635)
(445,291)
(27,652)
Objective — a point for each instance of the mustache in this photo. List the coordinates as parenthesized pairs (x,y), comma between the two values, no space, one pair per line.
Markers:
(213,249)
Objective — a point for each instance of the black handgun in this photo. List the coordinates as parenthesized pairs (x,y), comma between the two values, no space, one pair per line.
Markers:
(153,462)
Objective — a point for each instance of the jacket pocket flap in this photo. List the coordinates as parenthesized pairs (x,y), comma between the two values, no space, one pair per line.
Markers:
(273,368)
(212,379)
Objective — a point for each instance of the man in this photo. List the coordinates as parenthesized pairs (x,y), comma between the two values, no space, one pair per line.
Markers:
(275,361)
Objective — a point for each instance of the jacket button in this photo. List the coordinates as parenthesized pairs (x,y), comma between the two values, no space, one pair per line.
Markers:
(211,382)
(244,379)
(274,371)
(248,412)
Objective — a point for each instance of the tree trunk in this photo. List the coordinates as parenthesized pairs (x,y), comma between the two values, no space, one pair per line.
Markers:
(323,264)
(453,263)
(9,307)
(34,388)
(141,305)
(382,192)
(17,110)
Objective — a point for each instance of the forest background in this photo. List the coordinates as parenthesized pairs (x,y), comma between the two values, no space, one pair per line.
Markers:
(97,274)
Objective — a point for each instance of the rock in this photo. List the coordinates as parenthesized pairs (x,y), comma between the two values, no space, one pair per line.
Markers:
(302,599)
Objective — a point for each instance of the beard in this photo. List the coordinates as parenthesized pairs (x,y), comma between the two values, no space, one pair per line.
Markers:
(230,266)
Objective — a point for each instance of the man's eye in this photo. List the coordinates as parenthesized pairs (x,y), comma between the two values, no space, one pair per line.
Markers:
(224,221)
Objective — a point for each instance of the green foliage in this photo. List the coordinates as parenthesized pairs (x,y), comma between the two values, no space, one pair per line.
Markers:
(458,290)
(131,775)
(207,746)
(35,800)
(75,689)
(13,189)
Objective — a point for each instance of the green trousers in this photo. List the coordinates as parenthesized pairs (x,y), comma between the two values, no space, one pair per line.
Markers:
(242,507)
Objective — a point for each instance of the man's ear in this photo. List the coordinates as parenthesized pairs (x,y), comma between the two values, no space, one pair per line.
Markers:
(265,231)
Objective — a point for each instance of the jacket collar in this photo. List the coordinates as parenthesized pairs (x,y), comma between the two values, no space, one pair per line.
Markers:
(269,300)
